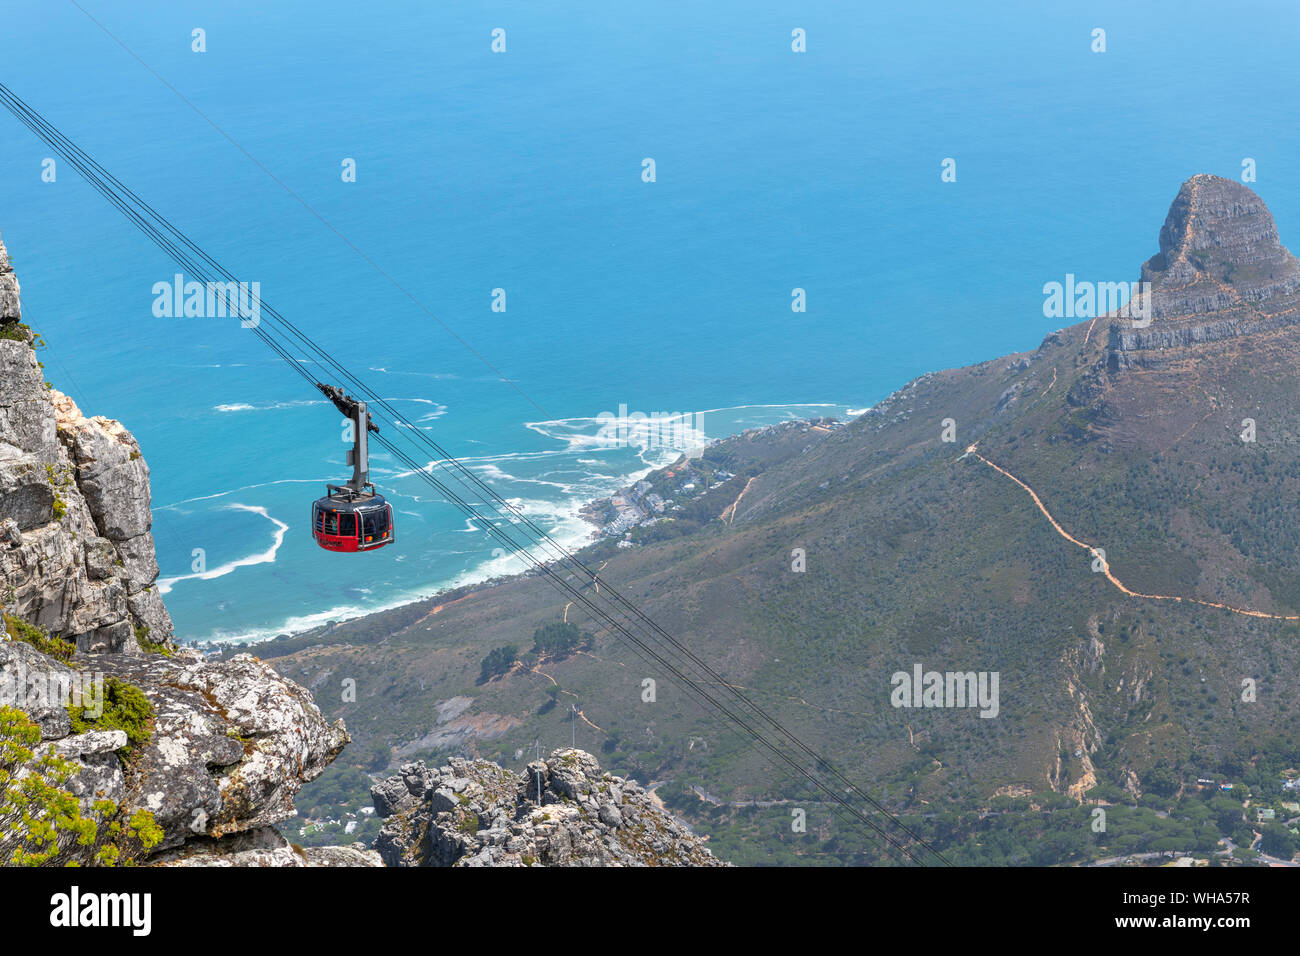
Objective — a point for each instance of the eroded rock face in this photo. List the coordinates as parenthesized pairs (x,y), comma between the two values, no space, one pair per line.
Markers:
(231,742)
(265,847)
(1221,272)
(1219,248)
(475,813)
(34,683)
(101,776)
(76,551)
(9,306)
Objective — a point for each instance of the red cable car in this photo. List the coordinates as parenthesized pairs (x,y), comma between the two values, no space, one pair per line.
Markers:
(342,521)
(352,517)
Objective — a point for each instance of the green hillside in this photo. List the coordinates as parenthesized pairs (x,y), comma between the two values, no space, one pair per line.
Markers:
(918,553)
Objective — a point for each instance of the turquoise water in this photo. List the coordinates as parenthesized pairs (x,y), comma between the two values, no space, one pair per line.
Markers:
(522,171)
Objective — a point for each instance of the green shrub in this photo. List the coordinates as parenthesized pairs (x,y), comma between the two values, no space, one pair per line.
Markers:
(497,662)
(14,331)
(125,708)
(558,639)
(148,646)
(55,647)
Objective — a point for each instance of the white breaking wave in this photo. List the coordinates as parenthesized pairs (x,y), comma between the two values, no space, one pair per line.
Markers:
(471,460)
(389,371)
(439,409)
(591,433)
(303,622)
(263,557)
(244,407)
(494,473)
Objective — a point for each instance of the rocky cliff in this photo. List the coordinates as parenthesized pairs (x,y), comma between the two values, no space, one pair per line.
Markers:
(1221,272)
(475,813)
(203,757)
(77,555)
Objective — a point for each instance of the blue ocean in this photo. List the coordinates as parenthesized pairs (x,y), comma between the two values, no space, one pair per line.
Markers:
(524,171)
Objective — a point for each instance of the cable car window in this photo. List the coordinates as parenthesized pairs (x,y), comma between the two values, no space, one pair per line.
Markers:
(348,525)
(331,522)
(376,522)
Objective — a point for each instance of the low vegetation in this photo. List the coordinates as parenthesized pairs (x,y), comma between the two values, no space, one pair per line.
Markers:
(43,824)
(20,630)
(125,708)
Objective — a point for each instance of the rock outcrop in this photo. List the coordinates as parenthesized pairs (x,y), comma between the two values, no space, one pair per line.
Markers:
(228,743)
(75,545)
(1219,250)
(1221,272)
(475,813)
(265,847)
(232,743)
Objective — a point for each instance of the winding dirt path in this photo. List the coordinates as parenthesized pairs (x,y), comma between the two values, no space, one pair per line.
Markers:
(729,513)
(1105,566)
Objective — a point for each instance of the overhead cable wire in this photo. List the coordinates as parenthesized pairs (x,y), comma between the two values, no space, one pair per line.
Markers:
(286,338)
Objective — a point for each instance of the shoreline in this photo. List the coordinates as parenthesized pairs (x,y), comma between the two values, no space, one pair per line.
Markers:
(594,513)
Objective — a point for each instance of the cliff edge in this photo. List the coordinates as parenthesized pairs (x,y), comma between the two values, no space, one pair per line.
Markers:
(115,744)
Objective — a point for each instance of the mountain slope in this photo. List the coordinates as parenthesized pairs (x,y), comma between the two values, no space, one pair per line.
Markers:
(920,554)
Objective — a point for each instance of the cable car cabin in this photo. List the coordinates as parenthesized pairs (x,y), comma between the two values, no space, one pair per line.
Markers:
(352,517)
(347,521)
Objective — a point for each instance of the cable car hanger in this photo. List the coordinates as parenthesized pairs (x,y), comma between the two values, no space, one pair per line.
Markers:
(353,516)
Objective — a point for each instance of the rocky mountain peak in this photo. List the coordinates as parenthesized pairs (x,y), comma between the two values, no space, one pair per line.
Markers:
(1219,251)
(1221,272)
